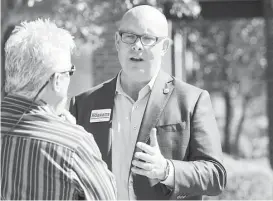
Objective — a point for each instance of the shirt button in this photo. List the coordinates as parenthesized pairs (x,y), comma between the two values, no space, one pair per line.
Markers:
(134,127)
(136,107)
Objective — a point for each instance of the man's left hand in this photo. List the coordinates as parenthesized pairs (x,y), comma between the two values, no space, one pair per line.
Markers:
(153,164)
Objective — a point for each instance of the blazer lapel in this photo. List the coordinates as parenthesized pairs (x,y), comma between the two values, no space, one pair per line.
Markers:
(105,100)
(159,97)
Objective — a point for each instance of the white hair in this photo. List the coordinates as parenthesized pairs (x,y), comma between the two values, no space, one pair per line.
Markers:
(32,53)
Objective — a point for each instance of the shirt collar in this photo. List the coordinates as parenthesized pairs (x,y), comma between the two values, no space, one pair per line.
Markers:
(149,85)
(26,105)
(118,84)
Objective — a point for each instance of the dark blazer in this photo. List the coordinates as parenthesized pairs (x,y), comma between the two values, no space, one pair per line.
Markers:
(186,130)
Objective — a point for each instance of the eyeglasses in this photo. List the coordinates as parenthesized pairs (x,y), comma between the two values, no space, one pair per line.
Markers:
(131,38)
(71,71)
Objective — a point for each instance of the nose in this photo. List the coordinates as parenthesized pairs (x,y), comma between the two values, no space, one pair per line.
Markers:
(137,46)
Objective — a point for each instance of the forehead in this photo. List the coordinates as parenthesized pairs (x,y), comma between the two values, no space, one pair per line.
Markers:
(144,23)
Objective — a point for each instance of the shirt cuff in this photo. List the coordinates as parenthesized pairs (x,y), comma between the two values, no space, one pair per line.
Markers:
(170,179)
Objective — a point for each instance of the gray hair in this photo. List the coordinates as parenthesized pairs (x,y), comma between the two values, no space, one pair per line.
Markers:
(32,53)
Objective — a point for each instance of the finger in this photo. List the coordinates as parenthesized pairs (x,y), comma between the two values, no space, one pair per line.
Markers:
(143,156)
(149,174)
(147,148)
(139,171)
(153,138)
(142,165)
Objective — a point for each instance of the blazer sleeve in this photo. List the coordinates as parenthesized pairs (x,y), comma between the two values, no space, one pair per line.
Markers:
(203,173)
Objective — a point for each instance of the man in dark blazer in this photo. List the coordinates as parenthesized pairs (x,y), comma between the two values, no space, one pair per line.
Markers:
(157,134)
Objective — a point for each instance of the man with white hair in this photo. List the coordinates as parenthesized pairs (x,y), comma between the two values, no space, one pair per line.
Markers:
(44,154)
(157,134)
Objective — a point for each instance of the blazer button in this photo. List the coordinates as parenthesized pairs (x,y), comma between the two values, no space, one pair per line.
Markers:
(179,197)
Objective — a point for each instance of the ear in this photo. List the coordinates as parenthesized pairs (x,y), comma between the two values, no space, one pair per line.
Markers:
(166,45)
(117,40)
(56,82)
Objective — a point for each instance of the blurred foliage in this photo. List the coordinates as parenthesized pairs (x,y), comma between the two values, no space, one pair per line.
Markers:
(229,58)
(231,55)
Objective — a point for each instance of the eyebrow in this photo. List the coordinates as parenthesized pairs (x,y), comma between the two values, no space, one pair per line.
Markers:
(140,34)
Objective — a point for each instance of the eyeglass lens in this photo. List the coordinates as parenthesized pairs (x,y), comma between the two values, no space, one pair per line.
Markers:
(130,38)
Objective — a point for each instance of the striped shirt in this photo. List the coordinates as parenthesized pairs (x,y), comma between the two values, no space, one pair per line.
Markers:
(46,158)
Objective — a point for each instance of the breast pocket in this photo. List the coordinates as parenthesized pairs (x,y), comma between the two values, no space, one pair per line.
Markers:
(173,139)
(173,127)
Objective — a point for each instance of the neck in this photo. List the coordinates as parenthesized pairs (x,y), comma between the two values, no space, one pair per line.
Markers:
(56,104)
(131,87)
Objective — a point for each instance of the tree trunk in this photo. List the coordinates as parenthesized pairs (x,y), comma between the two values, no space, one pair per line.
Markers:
(227,90)
(240,125)
(228,119)
(268,11)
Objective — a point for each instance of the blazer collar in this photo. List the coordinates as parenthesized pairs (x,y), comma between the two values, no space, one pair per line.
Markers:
(159,97)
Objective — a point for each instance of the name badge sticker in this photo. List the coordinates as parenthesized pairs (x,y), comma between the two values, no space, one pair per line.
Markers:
(100,115)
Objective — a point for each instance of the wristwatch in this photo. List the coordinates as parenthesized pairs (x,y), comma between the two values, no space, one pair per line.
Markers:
(167,171)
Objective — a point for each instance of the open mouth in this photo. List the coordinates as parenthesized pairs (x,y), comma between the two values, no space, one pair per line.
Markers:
(136,59)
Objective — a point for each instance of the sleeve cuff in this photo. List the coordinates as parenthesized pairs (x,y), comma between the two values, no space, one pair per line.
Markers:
(169,181)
